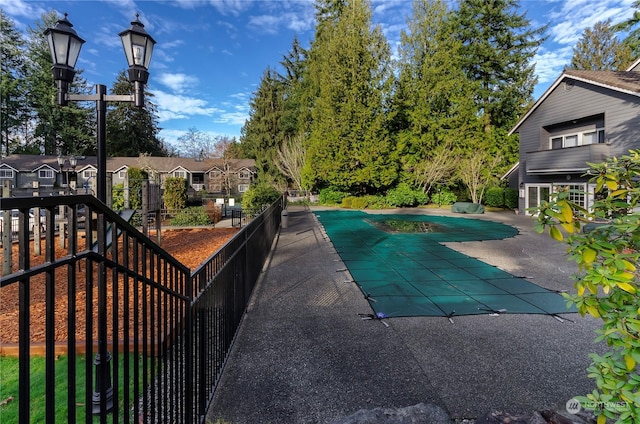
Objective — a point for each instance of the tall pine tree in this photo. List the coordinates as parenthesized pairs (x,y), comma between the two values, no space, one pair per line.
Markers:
(434,99)
(599,50)
(350,78)
(13,113)
(263,131)
(498,47)
(132,131)
(632,29)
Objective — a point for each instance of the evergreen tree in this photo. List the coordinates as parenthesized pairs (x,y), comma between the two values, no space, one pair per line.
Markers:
(132,131)
(12,89)
(632,27)
(497,52)
(350,77)
(599,50)
(437,119)
(263,132)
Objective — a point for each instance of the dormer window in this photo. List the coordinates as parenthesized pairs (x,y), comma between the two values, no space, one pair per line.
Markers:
(45,174)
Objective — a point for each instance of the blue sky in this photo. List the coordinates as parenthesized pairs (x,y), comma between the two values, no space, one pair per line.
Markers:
(211,54)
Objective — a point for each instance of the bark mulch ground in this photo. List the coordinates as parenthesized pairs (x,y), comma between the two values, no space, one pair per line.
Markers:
(190,246)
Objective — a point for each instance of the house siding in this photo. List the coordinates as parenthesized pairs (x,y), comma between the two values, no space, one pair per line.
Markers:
(621,114)
(575,106)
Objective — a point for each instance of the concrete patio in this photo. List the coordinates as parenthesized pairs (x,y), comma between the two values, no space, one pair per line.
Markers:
(304,355)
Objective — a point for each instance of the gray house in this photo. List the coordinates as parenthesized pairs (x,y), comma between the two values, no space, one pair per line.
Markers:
(584,116)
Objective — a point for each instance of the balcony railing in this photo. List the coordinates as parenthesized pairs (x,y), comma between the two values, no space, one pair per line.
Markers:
(569,160)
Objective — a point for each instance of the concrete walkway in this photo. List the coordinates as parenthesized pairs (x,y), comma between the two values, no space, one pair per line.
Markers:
(304,355)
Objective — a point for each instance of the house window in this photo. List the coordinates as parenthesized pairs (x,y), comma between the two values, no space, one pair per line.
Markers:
(577,139)
(180,174)
(536,194)
(6,173)
(45,174)
(594,137)
(122,174)
(89,173)
(243,187)
(576,193)
(244,175)
(216,174)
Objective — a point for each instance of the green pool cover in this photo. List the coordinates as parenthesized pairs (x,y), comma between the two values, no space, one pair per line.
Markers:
(403,270)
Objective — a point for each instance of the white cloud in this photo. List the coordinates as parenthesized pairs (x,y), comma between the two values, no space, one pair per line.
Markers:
(177,82)
(574,16)
(22,8)
(172,106)
(231,7)
(550,63)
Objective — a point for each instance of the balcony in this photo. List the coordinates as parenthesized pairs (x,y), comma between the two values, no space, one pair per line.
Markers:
(565,161)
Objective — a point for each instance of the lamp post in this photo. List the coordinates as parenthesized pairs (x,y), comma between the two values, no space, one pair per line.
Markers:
(65,44)
(73,161)
(66,176)
(61,162)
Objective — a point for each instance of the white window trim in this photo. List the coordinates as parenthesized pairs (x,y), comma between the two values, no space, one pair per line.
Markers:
(45,174)
(580,138)
(6,173)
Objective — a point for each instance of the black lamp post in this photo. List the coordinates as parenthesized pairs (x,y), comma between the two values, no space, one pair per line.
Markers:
(65,45)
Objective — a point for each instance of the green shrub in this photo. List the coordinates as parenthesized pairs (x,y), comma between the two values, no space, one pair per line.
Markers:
(511,198)
(331,196)
(404,195)
(175,193)
(117,197)
(360,202)
(376,202)
(136,176)
(259,197)
(608,284)
(444,197)
(347,202)
(189,217)
(494,197)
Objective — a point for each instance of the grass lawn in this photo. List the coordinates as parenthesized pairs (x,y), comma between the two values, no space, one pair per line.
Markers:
(9,388)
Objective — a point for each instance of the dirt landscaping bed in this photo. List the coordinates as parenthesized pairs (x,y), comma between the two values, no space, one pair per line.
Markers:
(189,246)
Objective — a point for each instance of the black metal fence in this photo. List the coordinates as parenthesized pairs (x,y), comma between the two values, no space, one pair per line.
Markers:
(153,337)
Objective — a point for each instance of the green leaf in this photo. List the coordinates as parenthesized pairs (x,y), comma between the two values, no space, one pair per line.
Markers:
(589,255)
(555,233)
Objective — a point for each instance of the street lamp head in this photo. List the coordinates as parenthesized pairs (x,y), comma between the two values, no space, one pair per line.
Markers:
(64,44)
(73,161)
(61,161)
(138,47)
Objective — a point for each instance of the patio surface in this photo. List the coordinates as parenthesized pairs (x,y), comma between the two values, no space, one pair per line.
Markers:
(304,354)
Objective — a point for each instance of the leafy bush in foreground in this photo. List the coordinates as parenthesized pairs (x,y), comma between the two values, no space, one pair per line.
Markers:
(607,255)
